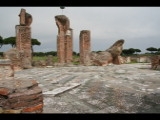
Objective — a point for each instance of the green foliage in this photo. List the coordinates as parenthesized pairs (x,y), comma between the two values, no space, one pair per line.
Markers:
(1,53)
(130,51)
(10,40)
(151,49)
(1,41)
(37,58)
(35,42)
(137,50)
(54,53)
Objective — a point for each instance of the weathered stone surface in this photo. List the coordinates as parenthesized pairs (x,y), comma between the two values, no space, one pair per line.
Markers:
(155,61)
(25,18)
(64,39)
(25,98)
(35,90)
(3,100)
(17,84)
(111,55)
(4,91)
(49,60)
(6,71)
(125,88)
(101,59)
(14,55)
(61,90)
(22,104)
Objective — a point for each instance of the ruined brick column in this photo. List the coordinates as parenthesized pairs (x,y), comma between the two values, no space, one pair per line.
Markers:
(64,39)
(85,46)
(23,38)
(68,46)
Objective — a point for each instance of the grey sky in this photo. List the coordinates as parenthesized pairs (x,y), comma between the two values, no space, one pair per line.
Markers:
(138,26)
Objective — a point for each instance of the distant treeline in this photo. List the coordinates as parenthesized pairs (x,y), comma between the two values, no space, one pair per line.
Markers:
(130,51)
(54,53)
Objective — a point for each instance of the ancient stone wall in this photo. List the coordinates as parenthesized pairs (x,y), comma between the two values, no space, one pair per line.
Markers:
(85,46)
(23,38)
(64,39)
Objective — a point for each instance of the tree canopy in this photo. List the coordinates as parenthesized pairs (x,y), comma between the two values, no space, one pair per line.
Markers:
(1,41)
(12,41)
(130,51)
(151,49)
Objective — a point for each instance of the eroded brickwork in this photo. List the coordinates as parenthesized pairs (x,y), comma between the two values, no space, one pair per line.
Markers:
(20,96)
(85,46)
(23,38)
(64,39)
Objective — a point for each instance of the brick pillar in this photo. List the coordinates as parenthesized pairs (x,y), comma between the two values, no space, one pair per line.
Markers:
(23,42)
(85,46)
(64,39)
(68,46)
(23,38)
(22,17)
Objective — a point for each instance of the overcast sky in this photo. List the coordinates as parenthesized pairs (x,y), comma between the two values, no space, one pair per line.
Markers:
(138,26)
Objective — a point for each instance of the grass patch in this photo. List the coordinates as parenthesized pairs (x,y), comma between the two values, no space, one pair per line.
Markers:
(55,59)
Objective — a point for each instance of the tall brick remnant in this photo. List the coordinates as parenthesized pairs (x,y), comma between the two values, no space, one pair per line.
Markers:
(64,39)
(23,38)
(85,47)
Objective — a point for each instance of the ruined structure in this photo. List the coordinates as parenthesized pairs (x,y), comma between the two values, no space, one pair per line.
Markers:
(15,56)
(17,95)
(64,39)
(155,62)
(6,69)
(85,47)
(111,55)
(23,38)
(20,96)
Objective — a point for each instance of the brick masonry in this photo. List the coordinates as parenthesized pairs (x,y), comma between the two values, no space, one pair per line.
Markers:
(64,39)
(85,46)
(20,96)
(23,37)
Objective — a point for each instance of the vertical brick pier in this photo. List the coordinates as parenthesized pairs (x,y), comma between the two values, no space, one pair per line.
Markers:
(85,46)
(64,39)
